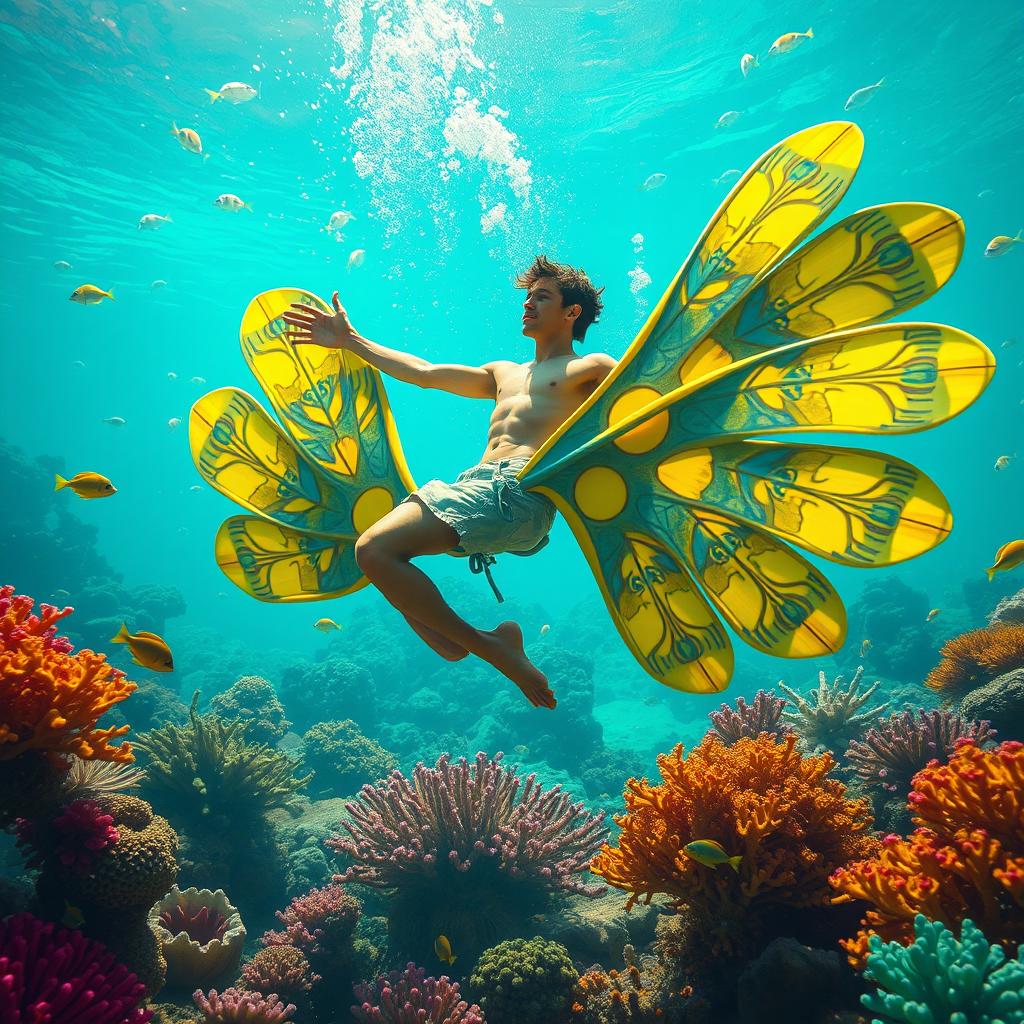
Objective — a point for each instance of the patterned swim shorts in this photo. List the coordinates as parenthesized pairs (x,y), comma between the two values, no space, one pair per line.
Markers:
(489,510)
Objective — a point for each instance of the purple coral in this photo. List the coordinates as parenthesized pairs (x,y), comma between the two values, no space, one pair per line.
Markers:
(890,755)
(413,998)
(57,974)
(453,816)
(234,1007)
(764,715)
(74,837)
(319,923)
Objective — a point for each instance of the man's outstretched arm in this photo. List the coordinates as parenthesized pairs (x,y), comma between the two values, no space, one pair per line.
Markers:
(312,327)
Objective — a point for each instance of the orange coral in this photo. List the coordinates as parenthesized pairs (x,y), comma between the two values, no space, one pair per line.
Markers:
(974,658)
(965,860)
(759,798)
(51,699)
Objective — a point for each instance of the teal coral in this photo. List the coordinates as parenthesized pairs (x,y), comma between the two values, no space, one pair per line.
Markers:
(524,981)
(941,980)
(344,759)
(252,700)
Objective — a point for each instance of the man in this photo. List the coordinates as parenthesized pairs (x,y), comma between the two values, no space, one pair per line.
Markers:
(484,511)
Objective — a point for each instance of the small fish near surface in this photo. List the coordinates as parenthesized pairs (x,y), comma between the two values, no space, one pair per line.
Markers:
(443,949)
(1002,244)
(338,220)
(197,380)
(232,92)
(152,221)
(158,283)
(86,485)
(189,140)
(174,422)
(859,97)
(229,201)
(1008,557)
(115,421)
(545,629)
(747,62)
(89,295)
(711,854)
(326,625)
(355,258)
(61,265)
(148,650)
(1002,462)
(789,41)
(728,118)
(865,646)
(653,181)
(732,172)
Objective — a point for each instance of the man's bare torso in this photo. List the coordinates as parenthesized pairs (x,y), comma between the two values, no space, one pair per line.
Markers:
(533,399)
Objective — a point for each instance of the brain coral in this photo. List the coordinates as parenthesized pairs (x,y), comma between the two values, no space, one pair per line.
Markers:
(524,981)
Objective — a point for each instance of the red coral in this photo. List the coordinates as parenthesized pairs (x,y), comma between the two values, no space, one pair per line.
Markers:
(234,1007)
(73,837)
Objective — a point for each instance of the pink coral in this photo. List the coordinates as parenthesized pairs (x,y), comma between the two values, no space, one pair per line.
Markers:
(320,923)
(234,1007)
(73,837)
(51,975)
(764,715)
(413,998)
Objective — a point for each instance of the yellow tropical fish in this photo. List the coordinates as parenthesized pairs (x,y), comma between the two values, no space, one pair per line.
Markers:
(932,614)
(711,854)
(89,295)
(86,485)
(72,916)
(1002,462)
(1009,556)
(443,949)
(233,92)
(1002,244)
(189,140)
(148,650)
(325,625)
(521,749)
(789,41)
(865,646)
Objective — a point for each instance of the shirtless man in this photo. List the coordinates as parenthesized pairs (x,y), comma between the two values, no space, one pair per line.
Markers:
(485,510)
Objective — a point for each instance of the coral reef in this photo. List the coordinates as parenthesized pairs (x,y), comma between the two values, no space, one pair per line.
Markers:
(51,974)
(234,1007)
(764,715)
(343,759)
(466,849)
(890,755)
(974,658)
(74,837)
(320,923)
(1009,611)
(86,779)
(317,693)
(965,860)
(52,699)
(252,700)
(941,978)
(604,772)
(411,997)
(832,715)
(280,969)
(524,981)
(760,799)
(201,935)
(1001,701)
(153,704)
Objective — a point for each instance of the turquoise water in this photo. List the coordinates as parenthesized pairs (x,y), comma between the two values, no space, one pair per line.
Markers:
(465,138)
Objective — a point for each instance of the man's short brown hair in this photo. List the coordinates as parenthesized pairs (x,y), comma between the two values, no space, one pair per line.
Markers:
(575,286)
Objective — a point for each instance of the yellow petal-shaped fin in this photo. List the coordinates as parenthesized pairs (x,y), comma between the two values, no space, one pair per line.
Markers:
(776,204)
(854,507)
(872,266)
(279,565)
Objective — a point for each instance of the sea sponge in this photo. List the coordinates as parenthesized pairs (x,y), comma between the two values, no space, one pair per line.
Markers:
(524,981)
(343,759)
(972,659)
(201,933)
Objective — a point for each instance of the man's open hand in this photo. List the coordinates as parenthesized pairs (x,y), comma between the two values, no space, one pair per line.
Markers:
(310,326)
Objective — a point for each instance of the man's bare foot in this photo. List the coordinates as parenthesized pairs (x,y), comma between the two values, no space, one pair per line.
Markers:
(509,658)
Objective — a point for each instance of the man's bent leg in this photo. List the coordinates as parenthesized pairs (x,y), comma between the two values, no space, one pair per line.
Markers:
(384,552)
(437,643)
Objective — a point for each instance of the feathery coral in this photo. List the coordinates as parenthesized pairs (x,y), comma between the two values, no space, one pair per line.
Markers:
(833,714)
(412,997)
(760,799)
(52,699)
(966,859)
(99,778)
(57,974)
(973,658)
(890,755)
(764,715)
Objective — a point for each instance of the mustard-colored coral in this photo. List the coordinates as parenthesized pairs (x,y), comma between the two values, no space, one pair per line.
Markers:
(51,699)
(974,658)
(965,860)
(761,799)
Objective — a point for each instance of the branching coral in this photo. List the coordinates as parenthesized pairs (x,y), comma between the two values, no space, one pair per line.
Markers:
(207,766)
(281,969)
(234,1007)
(524,981)
(833,714)
(252,700)
(343,759)
(764,715)
(411,998)
(74,837)
(52,699)
(939,978)
(965,860)
(760,799)
(56,974)
(462,846)
(890,755)
(971,659)
(320,923)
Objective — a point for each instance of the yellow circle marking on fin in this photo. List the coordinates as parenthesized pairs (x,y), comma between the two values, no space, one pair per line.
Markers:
(600,493)
(650,433)
(373,504)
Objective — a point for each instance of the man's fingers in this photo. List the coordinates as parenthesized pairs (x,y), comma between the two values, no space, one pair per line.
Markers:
(335,303)
(298,319)
(298,337)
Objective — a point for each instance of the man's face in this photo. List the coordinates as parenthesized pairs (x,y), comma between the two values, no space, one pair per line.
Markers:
(542,309)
